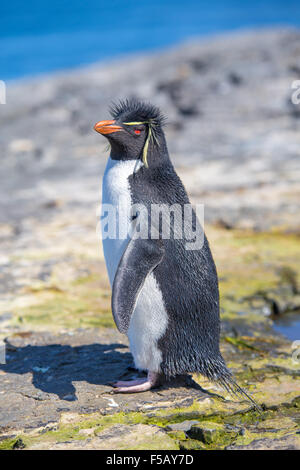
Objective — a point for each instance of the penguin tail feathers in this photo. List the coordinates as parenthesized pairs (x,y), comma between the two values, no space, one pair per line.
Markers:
(230,385)
(217,372)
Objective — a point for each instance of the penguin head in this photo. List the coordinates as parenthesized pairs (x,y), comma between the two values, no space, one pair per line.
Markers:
(135,132)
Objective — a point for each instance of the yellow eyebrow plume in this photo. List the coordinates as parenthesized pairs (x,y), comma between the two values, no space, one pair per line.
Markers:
(135,123)
(145,149)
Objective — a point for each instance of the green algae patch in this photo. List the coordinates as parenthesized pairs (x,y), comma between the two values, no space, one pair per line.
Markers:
(177,435)
(282,422)
(251,264)
(98,423)
(8,444)
(250,436)
(239,343)
(17,443)
(67,311)
(220,425)
(191,444)
(276,391)
(136,437)
(200,410)
(252,268)
(62,434)
(211,432)
(80,304)
(275,364)
(100,427)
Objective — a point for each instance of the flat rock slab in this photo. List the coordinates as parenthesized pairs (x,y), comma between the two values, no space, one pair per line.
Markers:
(291,442)
(183,426)
(210,432)
(47,375)
(120,437)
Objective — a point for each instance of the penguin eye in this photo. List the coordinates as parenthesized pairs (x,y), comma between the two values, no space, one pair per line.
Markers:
(137,131)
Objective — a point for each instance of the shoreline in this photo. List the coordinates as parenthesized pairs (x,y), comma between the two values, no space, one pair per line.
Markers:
(231,126)
(204,38)
(193,41)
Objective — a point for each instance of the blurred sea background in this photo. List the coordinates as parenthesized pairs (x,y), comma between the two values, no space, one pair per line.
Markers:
(39,37)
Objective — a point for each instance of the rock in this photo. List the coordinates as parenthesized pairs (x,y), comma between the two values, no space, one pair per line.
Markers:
(120,437)
(279,389)
(76,387)
(69,397)
(183,426)
(178,435)
(291,442)
(5,316)
(69,417)
(191,444)
(87,432)
(21,145)
(210,432)
(276,423)
(19,444)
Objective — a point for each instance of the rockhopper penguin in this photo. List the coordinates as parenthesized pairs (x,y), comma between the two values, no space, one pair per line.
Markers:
(165,297)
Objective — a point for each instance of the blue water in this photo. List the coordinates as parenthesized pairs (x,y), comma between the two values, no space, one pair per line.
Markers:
(38,36)
(288,324)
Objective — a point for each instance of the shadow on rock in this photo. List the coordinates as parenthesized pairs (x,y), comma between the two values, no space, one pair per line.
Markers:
(55,367)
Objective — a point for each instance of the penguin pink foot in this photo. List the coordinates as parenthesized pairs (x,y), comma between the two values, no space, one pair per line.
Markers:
(135,386)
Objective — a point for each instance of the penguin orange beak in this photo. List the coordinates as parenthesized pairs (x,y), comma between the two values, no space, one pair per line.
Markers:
(107,127)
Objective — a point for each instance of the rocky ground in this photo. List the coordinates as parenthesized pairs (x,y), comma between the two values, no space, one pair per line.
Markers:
(233,133)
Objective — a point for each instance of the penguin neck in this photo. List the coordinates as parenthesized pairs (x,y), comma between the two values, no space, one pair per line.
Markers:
(157,155)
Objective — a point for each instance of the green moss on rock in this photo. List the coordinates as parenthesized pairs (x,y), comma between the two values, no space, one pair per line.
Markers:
(211,432)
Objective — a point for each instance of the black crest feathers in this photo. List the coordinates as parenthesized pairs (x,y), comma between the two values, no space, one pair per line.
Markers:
(133,110)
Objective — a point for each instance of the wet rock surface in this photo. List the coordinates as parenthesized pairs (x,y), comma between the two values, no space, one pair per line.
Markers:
(233,134)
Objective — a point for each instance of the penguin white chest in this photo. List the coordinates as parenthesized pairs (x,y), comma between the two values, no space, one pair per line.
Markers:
(149,319)
(115,198)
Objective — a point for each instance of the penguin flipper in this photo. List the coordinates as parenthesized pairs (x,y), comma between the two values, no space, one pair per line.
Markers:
(138,260)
